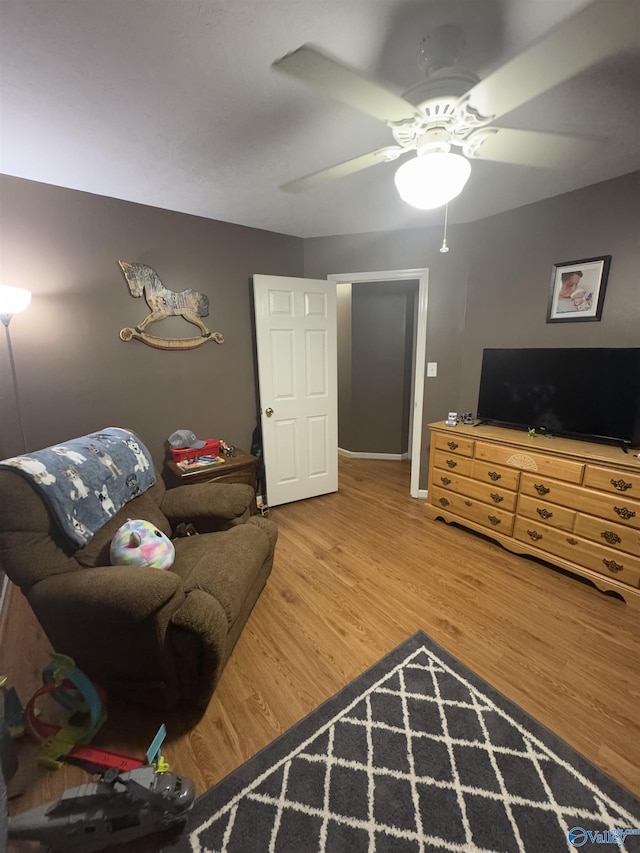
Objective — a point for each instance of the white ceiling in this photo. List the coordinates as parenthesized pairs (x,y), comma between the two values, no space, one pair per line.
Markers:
(173,103)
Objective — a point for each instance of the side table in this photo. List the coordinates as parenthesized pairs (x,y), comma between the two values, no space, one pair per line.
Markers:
(242,467)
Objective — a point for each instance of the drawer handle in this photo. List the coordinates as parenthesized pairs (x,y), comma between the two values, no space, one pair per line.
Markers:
(468,503)
(613,566)
(571,540)
(620,485)
(452,445)
(445,481)
(444,502)
(496,498)
(535,535)
(623,512)
(451,463)
(495,521)
(611,537)
(544,513)
(540,489)
(494,475)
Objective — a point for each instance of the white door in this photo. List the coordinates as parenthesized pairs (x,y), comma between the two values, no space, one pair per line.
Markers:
(297,371)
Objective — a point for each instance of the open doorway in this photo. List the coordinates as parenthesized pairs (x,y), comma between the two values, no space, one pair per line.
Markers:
(376,342)
(345,283)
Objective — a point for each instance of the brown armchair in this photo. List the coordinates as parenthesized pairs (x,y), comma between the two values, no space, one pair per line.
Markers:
(156,637)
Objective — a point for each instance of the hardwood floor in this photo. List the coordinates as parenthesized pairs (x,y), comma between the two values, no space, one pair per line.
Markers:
(355,574)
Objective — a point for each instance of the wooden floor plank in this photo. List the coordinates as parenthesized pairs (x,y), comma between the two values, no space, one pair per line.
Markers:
(355,574)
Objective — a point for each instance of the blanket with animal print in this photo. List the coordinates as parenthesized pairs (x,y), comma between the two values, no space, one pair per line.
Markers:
(87,480)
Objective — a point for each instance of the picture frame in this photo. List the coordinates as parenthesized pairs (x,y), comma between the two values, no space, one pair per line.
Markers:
(577,290)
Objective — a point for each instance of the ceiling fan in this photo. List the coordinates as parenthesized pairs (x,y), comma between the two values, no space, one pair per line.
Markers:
(453,108)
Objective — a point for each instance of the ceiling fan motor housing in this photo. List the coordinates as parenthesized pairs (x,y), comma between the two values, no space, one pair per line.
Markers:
(438,101)
(440,48)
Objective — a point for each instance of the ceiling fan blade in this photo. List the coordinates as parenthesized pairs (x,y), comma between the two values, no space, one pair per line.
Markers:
(600,30)
(341,83)
(382,155)
(527,147)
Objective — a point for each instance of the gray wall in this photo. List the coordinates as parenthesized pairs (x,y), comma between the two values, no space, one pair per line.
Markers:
(346,439)
(412,249)
(511,258)
(75,374)
(492,287)
(381,362)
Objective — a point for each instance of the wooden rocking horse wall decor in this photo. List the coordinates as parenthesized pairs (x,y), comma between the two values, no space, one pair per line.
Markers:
(188,304)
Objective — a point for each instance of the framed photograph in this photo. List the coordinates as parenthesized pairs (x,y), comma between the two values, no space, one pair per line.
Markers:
(577,290)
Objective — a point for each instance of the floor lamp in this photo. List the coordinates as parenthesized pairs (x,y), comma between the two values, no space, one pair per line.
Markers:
(13,300)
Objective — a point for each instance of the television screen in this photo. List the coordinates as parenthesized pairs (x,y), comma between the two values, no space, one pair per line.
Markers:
(584,393)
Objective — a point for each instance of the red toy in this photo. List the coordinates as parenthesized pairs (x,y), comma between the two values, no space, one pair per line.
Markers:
(211,448)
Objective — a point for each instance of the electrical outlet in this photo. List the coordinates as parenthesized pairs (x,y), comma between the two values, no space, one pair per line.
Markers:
(432,368)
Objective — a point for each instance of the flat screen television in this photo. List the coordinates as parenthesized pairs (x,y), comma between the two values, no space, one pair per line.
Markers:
(592,394)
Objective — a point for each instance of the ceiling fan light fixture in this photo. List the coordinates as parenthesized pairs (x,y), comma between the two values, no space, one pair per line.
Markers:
(432,179)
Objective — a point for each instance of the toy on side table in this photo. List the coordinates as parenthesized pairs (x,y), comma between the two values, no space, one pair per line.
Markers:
(120,807)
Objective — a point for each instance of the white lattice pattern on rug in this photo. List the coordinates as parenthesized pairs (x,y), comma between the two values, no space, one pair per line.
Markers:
(421,761)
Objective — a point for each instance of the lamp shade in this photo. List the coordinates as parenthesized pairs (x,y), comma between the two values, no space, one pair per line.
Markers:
(432,179)
(13,300)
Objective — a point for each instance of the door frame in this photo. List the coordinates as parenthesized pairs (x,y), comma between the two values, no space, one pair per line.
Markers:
(419,354)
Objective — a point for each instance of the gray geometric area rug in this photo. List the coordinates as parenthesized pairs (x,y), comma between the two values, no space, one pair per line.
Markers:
(416,755)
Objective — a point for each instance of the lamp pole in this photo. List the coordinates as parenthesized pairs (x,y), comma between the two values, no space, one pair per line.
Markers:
(13,300)
(6,318)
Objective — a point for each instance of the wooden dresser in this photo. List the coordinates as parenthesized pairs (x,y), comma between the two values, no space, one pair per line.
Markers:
(575,504)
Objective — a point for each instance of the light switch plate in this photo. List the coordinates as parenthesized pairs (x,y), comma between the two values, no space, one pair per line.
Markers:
(432,368)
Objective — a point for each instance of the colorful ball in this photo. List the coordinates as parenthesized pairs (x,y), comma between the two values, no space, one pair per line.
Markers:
(140,543)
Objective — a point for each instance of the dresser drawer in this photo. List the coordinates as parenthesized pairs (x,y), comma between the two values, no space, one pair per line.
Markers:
(506,478)
(491,517)
(606,561)
(547,513)
(608,533)
(450,462)
(612,480)
(488,494)
(454,444)
(561,469)
(618,509)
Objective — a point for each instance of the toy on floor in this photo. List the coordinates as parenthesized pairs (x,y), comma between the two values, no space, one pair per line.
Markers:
(74,691)
(13,710)
(11,727)
(119,807)
(140,543)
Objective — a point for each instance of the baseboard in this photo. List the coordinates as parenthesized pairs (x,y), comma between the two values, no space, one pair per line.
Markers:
(390,457)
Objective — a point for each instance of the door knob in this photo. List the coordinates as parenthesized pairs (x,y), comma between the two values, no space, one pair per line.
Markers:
(269,412)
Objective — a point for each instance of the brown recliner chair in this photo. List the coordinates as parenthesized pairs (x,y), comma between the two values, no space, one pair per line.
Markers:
(156,637)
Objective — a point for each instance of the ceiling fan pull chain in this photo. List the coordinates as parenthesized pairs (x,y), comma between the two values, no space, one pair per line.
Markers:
(444,248)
